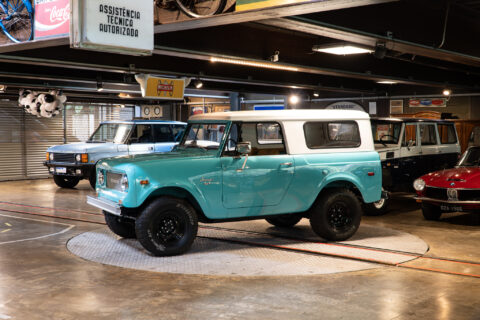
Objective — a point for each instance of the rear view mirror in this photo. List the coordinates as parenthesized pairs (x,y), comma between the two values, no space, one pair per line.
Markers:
(244,148)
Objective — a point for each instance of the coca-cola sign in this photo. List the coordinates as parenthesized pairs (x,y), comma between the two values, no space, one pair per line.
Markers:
(52,18)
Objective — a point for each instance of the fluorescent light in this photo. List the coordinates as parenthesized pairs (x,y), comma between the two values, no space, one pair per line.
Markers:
(198,84)
(316,94)
(251,63)
(387,82)
(341,49)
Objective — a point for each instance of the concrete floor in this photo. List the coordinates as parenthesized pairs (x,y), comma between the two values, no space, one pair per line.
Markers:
(41,279)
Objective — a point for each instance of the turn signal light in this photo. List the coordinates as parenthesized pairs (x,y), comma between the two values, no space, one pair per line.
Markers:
(144,182)
(48,156)
(84,157)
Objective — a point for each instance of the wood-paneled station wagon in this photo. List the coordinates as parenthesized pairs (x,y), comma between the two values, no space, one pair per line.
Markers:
(456,189)
(281,166)
(409,148)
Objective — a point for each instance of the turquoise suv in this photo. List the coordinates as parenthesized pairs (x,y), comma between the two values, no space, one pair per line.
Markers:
(281,166)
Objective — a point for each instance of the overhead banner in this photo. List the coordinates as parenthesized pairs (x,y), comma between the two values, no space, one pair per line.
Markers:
(119,26)
(161,88)
(52,19)
(430,103)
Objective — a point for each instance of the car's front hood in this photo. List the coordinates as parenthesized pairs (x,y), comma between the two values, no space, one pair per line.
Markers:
(462,177)
(156,158)
(82,147)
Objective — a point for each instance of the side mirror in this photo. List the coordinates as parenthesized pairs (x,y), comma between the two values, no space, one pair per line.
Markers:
(244,148)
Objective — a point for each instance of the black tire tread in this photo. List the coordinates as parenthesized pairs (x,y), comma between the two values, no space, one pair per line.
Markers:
(65,181)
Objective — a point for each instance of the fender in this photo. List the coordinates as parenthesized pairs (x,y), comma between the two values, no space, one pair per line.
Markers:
(340,177)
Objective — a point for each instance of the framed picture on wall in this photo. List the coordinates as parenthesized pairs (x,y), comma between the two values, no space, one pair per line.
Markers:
(396,106)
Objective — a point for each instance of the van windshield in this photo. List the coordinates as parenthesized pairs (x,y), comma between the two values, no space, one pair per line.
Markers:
(111,132)
(385,132)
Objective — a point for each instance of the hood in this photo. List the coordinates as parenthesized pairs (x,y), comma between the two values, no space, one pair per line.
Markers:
(462,177)
(83,147)
(149,158)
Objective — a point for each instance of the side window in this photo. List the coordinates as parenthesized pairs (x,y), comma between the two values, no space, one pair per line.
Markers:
(162,133)
(266,138)
(142,133)
(338,134)
(410,135)
(446,131)
(428,134)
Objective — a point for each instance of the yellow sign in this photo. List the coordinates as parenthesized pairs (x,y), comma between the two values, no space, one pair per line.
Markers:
(164,88)
(243,5)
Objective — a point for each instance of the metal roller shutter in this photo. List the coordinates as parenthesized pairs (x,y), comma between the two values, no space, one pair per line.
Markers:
(83,119)
(11,142)
(40,134)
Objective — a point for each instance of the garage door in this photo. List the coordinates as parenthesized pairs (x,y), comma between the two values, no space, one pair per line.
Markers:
(11,142)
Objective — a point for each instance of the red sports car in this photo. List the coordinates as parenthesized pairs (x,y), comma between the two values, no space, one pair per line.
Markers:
(456,189)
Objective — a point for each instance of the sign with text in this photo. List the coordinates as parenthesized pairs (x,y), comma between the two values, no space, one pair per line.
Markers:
(120,26)
(243,5)
(52,19)
(430,103)
(345,105)
(164,88)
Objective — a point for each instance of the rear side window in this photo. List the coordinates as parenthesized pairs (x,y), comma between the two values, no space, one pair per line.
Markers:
(447,133)
(428,134)
(338,134)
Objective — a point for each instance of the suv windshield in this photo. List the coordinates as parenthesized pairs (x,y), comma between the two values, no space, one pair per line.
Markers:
(206,136)
(385,132)
(471,158)
(111,132)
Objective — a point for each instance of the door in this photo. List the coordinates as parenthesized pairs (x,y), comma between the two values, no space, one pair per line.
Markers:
(262,178)
(407,167)
(141,139)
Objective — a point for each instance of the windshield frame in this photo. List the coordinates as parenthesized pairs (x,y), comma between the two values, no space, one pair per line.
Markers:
(181,145)
(464,157)
(386,122)
(126,136)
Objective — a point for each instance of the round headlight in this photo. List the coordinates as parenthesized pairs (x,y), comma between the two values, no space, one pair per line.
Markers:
(419,184)
(124,183)
(100,177)
(51,156)
(78,158)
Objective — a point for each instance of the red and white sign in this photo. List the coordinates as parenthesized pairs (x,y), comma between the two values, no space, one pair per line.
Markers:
(52,18)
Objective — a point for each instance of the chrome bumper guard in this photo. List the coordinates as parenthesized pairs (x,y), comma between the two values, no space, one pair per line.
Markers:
(447,201)
(107,205)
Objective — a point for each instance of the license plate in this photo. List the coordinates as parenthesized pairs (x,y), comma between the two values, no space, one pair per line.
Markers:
(61,170)
(451,208)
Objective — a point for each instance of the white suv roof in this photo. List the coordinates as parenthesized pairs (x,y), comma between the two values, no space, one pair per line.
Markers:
(284,115)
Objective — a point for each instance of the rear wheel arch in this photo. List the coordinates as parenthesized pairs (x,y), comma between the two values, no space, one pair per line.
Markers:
(339,184)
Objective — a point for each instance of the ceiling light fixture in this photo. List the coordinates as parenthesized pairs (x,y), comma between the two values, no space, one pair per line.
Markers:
(198,84)
(251,63)
(341,49)
(316,94)
(387,82)
(99,86)
(447,92)
(293,99)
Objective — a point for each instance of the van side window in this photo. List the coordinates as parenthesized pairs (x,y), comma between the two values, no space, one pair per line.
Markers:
(446,131)
(410,135)
(428,134)
(162,133)
(338,134)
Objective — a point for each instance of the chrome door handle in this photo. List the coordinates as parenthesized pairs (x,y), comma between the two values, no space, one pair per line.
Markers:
(286,164)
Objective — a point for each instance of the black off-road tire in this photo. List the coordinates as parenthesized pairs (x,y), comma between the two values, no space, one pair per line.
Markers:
(65,181)
(120,226)
(431,212)
(284,220)
(93,178)
(378,208)
(336,215)
(167,226)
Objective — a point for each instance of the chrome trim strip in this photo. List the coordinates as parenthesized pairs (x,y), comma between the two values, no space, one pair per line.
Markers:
(104,204)
(446,201)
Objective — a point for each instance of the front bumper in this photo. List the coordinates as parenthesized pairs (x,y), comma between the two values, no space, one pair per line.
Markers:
(106,205)
(83,170)
(466,204)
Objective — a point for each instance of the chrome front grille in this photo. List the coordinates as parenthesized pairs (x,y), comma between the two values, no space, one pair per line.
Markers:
(64,157)
(114,180)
